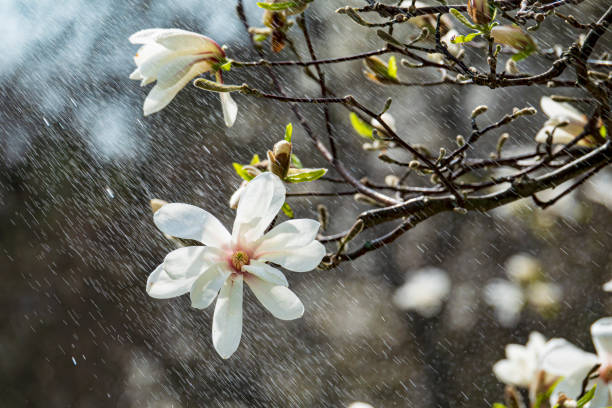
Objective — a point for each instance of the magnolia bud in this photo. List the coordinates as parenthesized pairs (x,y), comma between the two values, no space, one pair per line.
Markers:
(512,67)
(156,204)
(514,37)
(392,180)
(479,110)
(323,216)
(280,159)
(479,11)
(379,69)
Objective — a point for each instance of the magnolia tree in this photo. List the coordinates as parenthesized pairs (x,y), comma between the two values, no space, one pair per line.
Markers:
(571,146)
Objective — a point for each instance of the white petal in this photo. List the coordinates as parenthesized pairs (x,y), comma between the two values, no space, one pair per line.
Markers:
(302,259)
(601,331)
(602,394)
(561,135)
(190,222)
(191,261)
(562,358)
(279,300)
(145,36)
(561,111)
(161,286)
(571,385)
(136,75)
(266,272)
(206,287)
(289,234)
(608,286)
(175,69)
(180,40)
(230,109)
(160,96)
(261,200)
(227,319)
(509,372)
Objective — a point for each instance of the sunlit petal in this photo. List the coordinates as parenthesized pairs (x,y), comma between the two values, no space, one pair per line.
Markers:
(206,287)
(279,300)
(266,272)
(227,319)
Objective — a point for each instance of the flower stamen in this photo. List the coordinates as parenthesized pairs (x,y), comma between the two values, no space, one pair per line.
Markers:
(239,259)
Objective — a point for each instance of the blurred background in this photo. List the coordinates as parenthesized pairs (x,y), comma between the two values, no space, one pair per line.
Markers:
(79,164)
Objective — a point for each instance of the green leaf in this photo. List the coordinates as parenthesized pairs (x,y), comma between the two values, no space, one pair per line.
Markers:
(361,127)
(288,132)
(287,210)
(277,6)
(255,159)
(463,19)
(242,172)
(305,175)
(499,405)
(586,397)
(260,37)
(227,66)
(603,132)
(521,55)
(545,396)
(460,39)
(392,67)
(296,161)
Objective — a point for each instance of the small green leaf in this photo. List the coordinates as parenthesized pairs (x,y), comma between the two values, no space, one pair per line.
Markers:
(545,396)
(460,39)
(288,132)
(603,132)
(303,175)
(242,172)
(296,161)
(361,127)
(499,405)
(276,6)
(521,55)
(227,66)
(255,159)
(287,210)
(586,397)
(392,67)
(260,37)
(463,19)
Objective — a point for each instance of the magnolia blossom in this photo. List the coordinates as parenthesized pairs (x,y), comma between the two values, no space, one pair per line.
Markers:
(507,300)
(520,367)
(173,57)
(227,260)
(523,268)
(608,286)
(563,359)
(424,292)
(559,112)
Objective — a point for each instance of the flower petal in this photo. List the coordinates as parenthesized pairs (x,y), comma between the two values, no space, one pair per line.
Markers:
(161,286)
(190,222)
(182,40)
(509,372)
(191,261)
(601,331)
(227,319)
(160,96)
(230,109)
(145,36)
(261,200)
(562,111)
(289,234)
(175,69)
(279,300)
(266,272)
(562,358)
(301,259)
(561,135)
(206,287)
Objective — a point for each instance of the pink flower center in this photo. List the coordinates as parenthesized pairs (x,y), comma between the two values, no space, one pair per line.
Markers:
(605,370)
(238,260)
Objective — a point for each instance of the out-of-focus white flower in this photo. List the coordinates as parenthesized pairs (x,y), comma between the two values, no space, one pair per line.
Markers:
(507,300)
(520,367)
(359,404)
(173,57)
(513,36)
(424,292)
(523,268)
(599,189)
(563,359)
(388,119)
(608,286)
(227,260)
(559,112)
(544,296)
(454,49)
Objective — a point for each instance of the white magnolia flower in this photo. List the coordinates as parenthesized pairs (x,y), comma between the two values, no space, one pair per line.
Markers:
(173,57)
(608,286)
(507,300)
(520,367)
(388,119)
(424,292)
(523,268)
(227,260)
(563,359)
(559,112)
